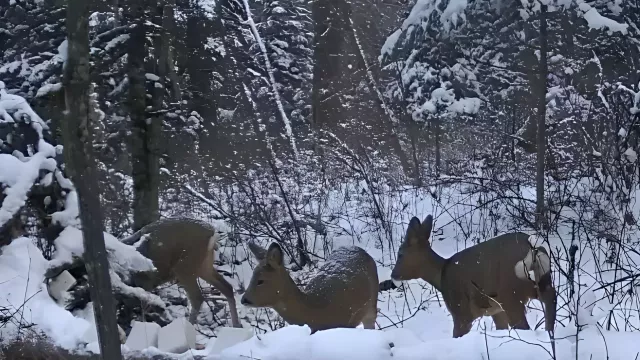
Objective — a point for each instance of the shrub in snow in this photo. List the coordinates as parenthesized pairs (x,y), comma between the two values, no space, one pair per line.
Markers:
(123,260)
(30,165)
(39,347)
(35,169)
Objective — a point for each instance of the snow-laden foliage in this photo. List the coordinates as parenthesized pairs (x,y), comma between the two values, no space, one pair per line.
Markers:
(29,160)
(481,58)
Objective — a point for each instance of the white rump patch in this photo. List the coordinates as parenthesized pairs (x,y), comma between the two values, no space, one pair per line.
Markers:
(533,269)
(142,239)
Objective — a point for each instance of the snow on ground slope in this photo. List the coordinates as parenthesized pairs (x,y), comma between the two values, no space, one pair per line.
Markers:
(24,296)
(295,343)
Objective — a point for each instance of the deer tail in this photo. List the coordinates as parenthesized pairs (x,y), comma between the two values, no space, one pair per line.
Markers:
(534,266)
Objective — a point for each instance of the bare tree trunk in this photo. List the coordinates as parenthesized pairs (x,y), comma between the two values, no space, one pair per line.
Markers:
(414,130)
(542,112)
(330,27)
(116,11)
(168,28)
(513,131)
(161,56)
(144,144)
(437,141)
(83,171)
(173,75)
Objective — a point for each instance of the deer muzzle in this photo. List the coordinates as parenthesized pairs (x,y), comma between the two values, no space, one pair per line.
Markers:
(396,278)
(246,302)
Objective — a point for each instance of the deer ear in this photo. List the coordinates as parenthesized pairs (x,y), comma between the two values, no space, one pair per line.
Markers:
(427,225)
(413,230)
(274,255)
(258,251)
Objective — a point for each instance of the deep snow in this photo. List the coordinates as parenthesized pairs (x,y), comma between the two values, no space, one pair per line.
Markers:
(414,322)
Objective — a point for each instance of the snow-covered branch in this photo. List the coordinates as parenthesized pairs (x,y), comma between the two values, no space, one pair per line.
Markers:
(272,79)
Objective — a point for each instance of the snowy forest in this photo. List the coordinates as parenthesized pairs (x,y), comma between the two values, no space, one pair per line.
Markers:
(159,154)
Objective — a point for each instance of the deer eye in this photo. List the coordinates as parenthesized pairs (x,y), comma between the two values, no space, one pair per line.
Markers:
(260,282)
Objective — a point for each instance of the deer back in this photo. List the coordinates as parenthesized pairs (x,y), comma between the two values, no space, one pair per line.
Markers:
(345,286)
(177,246)
(343,291)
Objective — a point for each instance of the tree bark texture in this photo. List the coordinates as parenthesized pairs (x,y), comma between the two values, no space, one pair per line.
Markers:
(329,72)
(83,171)
(542,114)
(145,131)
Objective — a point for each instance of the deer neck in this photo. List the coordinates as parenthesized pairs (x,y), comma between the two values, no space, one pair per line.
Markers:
(296,307)
(432,270)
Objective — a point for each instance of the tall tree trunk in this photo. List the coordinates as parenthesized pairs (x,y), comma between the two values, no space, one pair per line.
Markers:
(116,11)
(144,142)
(329,71)
(414,130)
(542,112)
(436,131)
(330,31)
(83,171)
(513,131)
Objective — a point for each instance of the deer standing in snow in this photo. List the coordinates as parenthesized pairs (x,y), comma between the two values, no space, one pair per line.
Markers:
(492,278)
(344,292)
(184,250)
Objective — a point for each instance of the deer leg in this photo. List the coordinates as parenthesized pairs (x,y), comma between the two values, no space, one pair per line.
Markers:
(517,316)
(369,320)
(216,280)
(549,299)
(461,326)
(190,285)
(501,320)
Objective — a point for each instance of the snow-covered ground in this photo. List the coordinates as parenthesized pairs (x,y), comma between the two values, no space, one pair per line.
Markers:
(413,321)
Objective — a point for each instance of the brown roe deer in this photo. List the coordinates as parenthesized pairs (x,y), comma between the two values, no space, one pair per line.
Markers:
(487,279)
(182,249)
(344,293)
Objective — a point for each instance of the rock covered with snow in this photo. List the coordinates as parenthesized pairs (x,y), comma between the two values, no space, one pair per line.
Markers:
(143,335)
(22,289)
(177,337)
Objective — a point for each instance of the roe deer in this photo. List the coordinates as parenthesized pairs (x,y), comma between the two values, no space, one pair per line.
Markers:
(182,249)
(487,279)
(344,293)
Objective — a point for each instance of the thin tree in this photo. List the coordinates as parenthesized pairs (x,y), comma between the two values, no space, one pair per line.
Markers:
(541,139)
(145,131)
(82,169)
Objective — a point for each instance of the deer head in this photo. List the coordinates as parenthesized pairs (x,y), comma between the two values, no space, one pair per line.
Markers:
(413,252)
(416,259)
(148,280)
(267,286)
